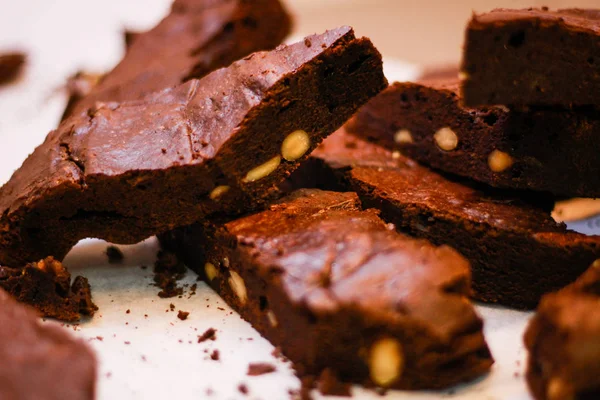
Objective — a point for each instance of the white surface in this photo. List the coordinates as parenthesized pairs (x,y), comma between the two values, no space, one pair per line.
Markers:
(159,362)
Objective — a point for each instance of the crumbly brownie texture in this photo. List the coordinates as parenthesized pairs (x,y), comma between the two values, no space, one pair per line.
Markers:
(533,57)
(11,65)
(335,287)
(219,144)
(47,286)
(563,340)
(517,251)
(41,360)
(197,37)
(547,151)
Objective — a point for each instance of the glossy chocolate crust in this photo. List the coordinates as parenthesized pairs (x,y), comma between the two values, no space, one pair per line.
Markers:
(326,281)
(533,57)
(517,251)
(126,171)
(563,341)
(11,65)
(197,37)
(551,151)
(41,360)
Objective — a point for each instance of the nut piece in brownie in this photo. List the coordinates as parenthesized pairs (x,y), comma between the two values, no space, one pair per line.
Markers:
(546,151)
(336,288)
(11,65)
(126,171)
(197,37)
(563,340)
(41,360)
(517,251)
(532,57)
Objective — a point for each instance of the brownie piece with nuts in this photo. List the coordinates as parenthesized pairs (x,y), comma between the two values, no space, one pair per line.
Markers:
(41,360)
(373,306)
(11,65)
(563,341)
(197,37)
(533,57)
(126,171)
(517,251)
(47,286)
(541,150)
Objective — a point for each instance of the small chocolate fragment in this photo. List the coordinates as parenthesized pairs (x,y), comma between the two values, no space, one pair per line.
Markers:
(11,65)
(215,355)
(210,334)
(256,369)
(183,315)
(168,270)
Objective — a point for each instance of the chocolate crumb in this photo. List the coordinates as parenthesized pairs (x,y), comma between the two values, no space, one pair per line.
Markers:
(255,369)
(11,65)
(100,338)
(168,269)
(114,254)
(243,389)
(329,385)
(210,334)
(307,42)
(127,342)
(182,315)
(172,307)
(215,355)
(128,311)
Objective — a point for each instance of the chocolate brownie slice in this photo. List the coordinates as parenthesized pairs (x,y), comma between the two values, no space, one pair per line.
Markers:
(336,288)
(126,171)
(11,65)
(533,57)
(542,150)
(41,360)
(517,251)
(563,340)
(197,37)
(47,285)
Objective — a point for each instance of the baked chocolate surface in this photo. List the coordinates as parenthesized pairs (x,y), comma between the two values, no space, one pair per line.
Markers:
(126,171)
(517,251)
(11,65)
(542,150)
(41,360)
(533,57)
(563,340)
(78,86)
(336,288)
(197,37)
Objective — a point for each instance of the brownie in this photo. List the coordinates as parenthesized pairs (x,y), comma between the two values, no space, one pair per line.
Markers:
(336,288)
(563,341)
(78,86)
(42,360)
(533,57)
(541,150)
(47,285)
(197,37)
(126,171)
(11,65)
(517,251)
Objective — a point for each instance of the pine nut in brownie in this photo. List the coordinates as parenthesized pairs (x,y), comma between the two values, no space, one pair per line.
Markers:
(336,288)
(533,57)
(126,171)
(542,150)
(563,341)
(196,38)
(517,251)
(42,360)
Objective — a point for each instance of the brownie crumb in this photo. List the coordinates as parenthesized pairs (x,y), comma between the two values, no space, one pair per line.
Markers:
(172,307)
(215,356)
(127,342)
(329,385)
(243,389)
(255,369)
(168,269)
(210,334)
(11,65)
(100,338)
(182,315)
(114,254)
(128,311)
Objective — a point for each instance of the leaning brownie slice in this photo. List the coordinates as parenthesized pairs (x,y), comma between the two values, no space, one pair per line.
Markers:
(126,171)
(41,361)
(517,251)
(563,340)
(548,151)
(533,57)
(336,288)
(197,37)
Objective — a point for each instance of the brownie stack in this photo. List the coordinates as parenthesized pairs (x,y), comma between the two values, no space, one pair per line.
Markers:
(514,131)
